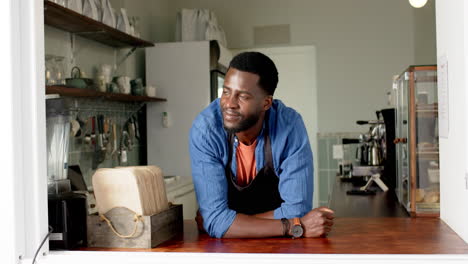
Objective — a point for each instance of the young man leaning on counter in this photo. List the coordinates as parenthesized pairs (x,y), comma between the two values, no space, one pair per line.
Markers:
(251,160)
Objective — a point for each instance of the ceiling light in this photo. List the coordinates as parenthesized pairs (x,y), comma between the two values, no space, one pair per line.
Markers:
(417,3)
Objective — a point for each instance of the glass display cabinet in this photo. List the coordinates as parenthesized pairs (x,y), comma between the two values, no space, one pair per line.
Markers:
(417,140)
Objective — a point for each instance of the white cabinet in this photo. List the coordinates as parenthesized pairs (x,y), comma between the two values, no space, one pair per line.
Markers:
(180,190)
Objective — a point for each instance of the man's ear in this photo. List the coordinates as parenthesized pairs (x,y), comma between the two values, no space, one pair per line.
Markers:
(268,102)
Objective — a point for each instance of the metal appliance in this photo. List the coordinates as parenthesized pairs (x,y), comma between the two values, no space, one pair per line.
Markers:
(67,210)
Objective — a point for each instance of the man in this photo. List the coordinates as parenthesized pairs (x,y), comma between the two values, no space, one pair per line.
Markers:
(251,160)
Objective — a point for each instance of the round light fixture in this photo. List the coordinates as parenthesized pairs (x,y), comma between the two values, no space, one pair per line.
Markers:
(417,3)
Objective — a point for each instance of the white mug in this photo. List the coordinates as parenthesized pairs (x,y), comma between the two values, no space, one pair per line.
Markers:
(101,83)
(151,91)
(123,82)
(106,71)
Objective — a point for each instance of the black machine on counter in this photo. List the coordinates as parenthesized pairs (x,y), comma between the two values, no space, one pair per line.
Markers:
(67,210)
(375,151)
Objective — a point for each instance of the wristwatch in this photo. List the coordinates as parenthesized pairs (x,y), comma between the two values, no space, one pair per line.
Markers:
(297,230)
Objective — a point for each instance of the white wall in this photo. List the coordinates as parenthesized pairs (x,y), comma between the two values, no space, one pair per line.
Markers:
(451,42)
(360,44)
(424,34)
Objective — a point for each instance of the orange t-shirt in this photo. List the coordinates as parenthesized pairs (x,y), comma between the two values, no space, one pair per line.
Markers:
(246,165)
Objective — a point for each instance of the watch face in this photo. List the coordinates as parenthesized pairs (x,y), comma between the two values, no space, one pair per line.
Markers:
(297,231)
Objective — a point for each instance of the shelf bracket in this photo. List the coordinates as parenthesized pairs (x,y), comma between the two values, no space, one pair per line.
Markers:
(129,53)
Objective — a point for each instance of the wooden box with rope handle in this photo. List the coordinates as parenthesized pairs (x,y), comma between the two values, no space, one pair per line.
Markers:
(122,228)
(133,209)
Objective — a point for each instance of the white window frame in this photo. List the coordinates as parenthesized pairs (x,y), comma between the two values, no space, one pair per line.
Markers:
(25,200)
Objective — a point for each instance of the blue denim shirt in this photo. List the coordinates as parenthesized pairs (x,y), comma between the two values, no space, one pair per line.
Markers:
(292,161)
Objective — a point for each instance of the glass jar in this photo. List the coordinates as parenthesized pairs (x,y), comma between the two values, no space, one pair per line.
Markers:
(60,70)
(50,75)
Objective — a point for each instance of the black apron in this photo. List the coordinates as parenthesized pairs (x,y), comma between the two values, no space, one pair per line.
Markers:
(261,194)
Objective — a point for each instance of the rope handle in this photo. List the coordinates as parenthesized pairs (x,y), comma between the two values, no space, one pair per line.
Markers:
(136,218)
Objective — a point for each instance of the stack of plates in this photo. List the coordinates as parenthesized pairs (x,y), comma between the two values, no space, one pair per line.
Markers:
(140,189)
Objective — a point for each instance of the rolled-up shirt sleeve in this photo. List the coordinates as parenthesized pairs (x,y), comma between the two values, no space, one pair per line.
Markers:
(210,182)
(295,173)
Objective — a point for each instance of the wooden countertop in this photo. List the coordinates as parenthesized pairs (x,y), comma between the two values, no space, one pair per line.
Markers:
(382,204)
(363,225)
(389,235)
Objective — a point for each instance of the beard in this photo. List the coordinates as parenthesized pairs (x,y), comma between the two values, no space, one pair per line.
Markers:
(244,124)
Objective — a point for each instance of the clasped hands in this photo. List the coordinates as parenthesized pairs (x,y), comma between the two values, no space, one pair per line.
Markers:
(316,223)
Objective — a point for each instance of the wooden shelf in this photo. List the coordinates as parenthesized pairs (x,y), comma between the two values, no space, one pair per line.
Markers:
(63,18)
(76,92)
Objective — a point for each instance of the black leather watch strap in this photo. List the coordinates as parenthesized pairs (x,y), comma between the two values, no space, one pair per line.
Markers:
(286,226)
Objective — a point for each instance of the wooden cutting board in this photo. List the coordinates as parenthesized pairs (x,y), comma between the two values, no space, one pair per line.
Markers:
(139,188)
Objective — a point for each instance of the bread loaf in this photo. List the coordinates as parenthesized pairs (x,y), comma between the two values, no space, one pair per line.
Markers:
(140,189)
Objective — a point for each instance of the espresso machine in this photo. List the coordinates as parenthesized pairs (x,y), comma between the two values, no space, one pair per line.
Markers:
(375,154)
(371,148)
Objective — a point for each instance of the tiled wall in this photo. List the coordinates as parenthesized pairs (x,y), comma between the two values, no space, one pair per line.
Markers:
(327,166)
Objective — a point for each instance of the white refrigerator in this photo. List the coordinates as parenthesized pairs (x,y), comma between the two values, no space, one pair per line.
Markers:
(181,71)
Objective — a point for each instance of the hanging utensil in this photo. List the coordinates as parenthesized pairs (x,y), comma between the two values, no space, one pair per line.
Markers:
(96,154)
(137,129)
(114,140)
(108,137)
(102,148)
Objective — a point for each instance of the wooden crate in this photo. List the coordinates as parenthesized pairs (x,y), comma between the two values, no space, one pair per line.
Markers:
(151,231)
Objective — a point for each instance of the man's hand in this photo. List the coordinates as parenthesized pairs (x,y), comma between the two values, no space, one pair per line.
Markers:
(318,222)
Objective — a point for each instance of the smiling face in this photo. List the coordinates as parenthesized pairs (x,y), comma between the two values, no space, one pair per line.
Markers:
(243,102)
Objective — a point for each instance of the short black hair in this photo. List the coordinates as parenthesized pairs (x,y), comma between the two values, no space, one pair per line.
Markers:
(258,63)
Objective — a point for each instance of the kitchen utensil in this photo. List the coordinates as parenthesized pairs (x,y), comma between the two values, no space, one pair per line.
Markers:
(106,134)
(81,124)
(60,69)
(123,82)
(137,129)
(99,130)
(124,146)
(50,70)
(151,90)
(96,154)
(58,132)
(123,157)
(87,132)
(80,83)
(106,71)
(131,134)
(101,83)
(114,141)
(113,88)
(102,148)
(108,138)
(137,87)
(74,127)
(77,81)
